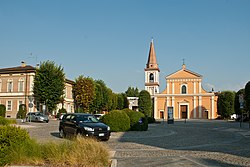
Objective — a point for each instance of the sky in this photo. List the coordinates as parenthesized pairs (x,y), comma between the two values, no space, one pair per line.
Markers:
(110,39)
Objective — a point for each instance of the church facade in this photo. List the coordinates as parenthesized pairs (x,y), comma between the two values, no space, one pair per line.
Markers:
(183,97)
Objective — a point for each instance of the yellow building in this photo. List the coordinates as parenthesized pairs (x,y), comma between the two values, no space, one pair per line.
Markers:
(16,88)
(183,95)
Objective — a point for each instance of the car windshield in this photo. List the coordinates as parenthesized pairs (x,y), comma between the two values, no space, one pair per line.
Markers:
(87,119)
(39,114)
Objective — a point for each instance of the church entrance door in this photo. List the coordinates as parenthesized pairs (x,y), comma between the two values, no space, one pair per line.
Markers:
(184,111)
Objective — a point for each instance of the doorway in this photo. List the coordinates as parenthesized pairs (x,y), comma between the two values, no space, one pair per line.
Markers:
(184,111)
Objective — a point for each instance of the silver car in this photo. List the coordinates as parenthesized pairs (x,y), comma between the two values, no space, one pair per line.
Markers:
(37,117)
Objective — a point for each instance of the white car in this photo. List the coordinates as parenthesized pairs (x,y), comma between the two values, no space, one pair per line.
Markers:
(36,117)
(234,116)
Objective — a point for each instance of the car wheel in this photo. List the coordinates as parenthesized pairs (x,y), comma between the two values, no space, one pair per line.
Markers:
(62,134)
(47,121)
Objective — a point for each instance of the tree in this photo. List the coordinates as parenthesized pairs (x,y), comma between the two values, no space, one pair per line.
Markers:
(49,84)
(226,103)
(145,103)
(22,111)
(237,108)
(132,92)
(100,102)
(84,92)
(247,96)
(122,101)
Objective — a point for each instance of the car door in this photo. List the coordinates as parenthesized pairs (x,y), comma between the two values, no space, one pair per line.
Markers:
(66,124)
(73,125)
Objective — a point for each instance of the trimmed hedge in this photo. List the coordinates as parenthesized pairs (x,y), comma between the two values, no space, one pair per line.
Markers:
(118,121)
(138,122)
(10,136)
(2,110)
(151,120)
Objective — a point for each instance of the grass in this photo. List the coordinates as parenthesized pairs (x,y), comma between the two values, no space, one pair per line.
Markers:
(79,152)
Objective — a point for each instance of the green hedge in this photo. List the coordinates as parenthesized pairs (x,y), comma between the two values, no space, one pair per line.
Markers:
(10,136)
(151,120)
(2,110)
(137,120)
(118,121)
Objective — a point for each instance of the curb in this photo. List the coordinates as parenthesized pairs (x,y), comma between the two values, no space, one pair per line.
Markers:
(114,163)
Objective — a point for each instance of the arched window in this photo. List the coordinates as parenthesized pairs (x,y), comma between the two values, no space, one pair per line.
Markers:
(21,85)
(10,85)
(151,77)
(184,89)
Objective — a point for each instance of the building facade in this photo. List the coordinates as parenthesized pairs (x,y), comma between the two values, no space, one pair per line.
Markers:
(16,88)
(183,96)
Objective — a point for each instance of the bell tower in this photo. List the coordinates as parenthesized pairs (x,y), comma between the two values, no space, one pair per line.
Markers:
(152,72)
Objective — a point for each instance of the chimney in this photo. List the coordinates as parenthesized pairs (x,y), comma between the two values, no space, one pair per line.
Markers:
(23,64)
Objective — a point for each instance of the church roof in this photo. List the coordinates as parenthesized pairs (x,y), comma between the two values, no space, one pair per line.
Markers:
(184,73)
(152,62)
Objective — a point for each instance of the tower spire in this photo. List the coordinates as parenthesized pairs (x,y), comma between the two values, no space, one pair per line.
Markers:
(152,72)
(152,62)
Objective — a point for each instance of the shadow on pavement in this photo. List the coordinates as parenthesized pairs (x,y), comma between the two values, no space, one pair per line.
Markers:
(55,134)
(212,142)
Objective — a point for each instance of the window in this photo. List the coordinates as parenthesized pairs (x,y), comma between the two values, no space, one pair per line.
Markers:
(9,105)
(184,89)
(21,85)
(10,85)
(151,77)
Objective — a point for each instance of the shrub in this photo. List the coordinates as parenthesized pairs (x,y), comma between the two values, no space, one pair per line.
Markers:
(2,110)
(3,121)
(10,136)
(151,120)
(118,121)
(137,120)
(22,111)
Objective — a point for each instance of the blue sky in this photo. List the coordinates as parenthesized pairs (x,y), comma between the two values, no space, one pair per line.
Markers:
(110,39)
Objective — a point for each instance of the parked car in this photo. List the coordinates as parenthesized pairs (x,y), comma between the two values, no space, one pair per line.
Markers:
(74,124)
(36,117)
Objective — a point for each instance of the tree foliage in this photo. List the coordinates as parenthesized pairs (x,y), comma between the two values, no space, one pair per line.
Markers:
(226,103)
(84,91)
(122,101)
(22,111)
(132,92)
(49,84)
(247,96)
(145,103)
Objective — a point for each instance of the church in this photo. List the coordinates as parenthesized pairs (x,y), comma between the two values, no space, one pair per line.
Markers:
(183,97)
